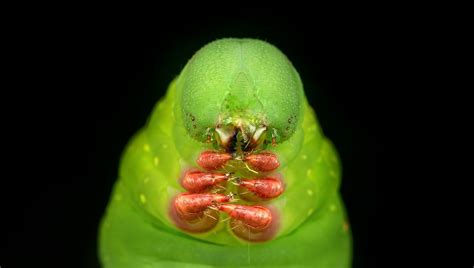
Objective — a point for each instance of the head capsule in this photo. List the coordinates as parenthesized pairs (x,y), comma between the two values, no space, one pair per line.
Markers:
(240,94)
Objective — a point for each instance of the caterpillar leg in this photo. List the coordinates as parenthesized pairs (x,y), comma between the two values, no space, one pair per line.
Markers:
(198,210)
(196,181)
(210,160)
(252,223)
(260,189)
(191,212)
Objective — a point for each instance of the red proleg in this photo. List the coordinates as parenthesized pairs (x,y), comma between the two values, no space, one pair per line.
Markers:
(191,212)
(191,206)
(197,181)
(252,223)
(265,188)
(213,160)
(257,217)
(263,162)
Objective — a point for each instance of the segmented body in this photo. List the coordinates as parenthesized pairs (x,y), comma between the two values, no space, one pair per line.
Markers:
(305,225)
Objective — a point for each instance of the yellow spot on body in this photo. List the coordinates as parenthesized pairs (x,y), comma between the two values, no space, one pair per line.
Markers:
(118,197)
(345,226)
(156,160)
(145,181)
(309,172)
(332,173)
(142,198)
(310,193)
(310,211)
(304,157)
(161,106)
(146,147)
(332,207)
(165,146)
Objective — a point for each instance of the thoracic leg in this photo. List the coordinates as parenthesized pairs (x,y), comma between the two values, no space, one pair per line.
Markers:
(198,210)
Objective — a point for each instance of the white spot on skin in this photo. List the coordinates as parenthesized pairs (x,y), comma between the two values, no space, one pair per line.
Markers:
(145,181)
(142,198)
(309,172)
(156,160)
(332,173)
(146,147)
(118,197)
(310,211)
(332,207)
(165,146)
(304,157)
(310,193)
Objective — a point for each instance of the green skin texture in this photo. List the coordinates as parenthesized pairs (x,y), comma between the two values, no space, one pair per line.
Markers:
(137,230)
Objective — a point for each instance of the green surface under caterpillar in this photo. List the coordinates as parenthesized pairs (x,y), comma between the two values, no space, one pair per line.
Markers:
(228,82)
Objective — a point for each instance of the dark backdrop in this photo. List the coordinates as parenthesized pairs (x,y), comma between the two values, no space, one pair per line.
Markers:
(94,82)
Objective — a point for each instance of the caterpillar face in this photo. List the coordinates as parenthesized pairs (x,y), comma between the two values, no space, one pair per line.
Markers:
(240,94)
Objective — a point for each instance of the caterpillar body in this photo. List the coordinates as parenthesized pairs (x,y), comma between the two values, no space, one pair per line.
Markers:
(231,169)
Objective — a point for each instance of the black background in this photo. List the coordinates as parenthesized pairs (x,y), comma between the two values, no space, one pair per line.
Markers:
(89,85)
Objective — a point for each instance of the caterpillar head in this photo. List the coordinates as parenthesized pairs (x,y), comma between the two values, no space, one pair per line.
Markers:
(240,94)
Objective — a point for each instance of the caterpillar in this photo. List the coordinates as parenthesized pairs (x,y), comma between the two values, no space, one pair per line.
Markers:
(231,169)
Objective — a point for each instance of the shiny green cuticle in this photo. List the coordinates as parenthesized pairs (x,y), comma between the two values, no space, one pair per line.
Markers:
(244,82)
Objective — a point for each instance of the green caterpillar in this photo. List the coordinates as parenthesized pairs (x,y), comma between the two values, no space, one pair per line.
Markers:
(237,114)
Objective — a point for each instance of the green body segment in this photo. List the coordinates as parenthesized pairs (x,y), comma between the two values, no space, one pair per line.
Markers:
(137,230)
